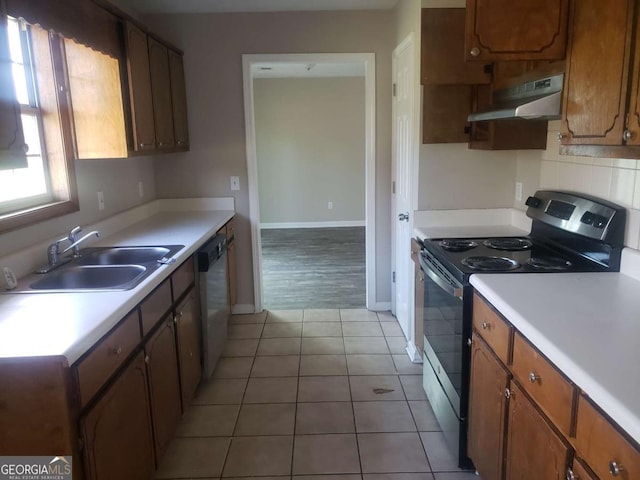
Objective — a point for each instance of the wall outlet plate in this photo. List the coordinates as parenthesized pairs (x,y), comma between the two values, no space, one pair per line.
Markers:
(100,201)
(519,191)
(235,183)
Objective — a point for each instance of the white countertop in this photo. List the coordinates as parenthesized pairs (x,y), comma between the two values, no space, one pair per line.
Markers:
(588,325)
(68,324)
(469,231)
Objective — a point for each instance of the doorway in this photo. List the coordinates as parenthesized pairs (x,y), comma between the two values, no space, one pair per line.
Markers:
(254,67)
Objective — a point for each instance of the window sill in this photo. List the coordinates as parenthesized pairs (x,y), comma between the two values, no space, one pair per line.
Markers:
(30,216)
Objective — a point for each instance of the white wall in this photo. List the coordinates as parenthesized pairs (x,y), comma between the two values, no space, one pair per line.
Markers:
(117,179)
(310,144)
(213,45)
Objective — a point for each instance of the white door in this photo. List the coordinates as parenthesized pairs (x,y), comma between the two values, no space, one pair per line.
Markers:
(403,152)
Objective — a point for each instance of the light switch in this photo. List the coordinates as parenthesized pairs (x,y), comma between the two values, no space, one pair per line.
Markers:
(235,183)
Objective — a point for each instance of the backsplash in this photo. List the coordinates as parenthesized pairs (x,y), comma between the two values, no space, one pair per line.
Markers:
(617,180)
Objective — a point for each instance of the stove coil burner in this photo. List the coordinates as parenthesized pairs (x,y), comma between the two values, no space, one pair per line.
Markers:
(457,245)
(508,243)
(490,264)
(549,263)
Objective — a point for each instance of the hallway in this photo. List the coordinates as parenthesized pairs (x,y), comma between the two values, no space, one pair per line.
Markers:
(312,394)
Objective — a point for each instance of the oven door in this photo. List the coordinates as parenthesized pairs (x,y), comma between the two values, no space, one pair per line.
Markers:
(447,325)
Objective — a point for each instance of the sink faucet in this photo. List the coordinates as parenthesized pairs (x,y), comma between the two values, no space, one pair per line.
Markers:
(53,250)
(75,243)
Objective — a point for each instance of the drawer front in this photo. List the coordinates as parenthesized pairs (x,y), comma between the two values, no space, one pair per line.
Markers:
(96,368)
(553,393)
(493,329)
(182,278)
(155,306)
(601,445)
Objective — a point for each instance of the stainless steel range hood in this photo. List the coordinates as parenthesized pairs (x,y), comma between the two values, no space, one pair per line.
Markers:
(535,100)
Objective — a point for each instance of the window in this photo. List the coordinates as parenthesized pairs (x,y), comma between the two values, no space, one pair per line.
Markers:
(25,187)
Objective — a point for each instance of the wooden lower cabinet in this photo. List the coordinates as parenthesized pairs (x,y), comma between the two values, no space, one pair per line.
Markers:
(117,430)
(164,385)
(231,272)
(487,411)
(189,346)
(534,451)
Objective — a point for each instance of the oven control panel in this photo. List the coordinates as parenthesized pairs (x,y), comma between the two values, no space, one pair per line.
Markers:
(578,213)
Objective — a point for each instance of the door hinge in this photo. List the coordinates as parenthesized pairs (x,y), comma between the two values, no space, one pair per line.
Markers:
(393,187)
(394,277)
(395,89)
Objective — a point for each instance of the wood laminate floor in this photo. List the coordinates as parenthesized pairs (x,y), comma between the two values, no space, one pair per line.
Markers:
(313,267)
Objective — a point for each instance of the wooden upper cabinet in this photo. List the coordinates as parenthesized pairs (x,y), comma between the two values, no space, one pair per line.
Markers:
(442,50)
(444,113)
(161,94)
(139,73)
(516,30)
(597,78)
(179,100)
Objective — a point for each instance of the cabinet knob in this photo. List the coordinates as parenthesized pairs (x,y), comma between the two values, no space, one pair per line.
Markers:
(570,475)
(507,393)
(469,341)
(145,145)
(627,135)
(474,52)
(533,377)
(486,325)
(147,359)
(116,351)
(560,136)
(614,468)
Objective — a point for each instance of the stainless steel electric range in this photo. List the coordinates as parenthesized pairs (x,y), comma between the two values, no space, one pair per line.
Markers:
(570,232)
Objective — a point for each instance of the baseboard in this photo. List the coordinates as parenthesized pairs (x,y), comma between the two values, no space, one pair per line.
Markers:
(414,354)
(345,223)
(242,309)
(380,307)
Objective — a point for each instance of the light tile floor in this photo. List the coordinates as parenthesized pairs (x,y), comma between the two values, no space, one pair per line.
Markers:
(312,395)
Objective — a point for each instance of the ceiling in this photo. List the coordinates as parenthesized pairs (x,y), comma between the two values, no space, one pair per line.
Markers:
(219,6)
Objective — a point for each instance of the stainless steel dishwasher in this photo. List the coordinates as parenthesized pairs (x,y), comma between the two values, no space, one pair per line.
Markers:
(214,303)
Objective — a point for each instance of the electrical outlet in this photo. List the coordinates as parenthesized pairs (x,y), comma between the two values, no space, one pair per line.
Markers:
(235,183)
(100,201)
(330,205)
(140,189)
(519,191)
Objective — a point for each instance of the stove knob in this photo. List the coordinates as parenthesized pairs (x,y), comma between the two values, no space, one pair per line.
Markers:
(533,202)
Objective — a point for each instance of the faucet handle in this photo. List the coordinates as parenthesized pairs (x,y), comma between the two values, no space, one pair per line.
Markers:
(73,234)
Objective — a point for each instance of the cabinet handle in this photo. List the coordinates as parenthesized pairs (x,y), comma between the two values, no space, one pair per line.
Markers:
(627,135)
(614,468)
(147,359)
(533,377)
(145,145)
(486,325)
(507,393)
(474,52)
(180,142)
(116,351)
(469,341)
(571,475)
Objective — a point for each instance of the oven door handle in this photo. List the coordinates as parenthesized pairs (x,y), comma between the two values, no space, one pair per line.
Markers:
(441,282)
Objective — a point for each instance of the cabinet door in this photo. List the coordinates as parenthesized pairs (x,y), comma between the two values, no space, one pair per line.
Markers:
(117,430)
(516,30)
(231,269)
(179,100)
(164,385)
(534,451)
(140,89)
(597,72)
(161,94)
(487,411)
(442,50)
(444,113)
(188,332)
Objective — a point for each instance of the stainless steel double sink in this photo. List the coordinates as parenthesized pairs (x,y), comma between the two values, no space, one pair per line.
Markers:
(104,268)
